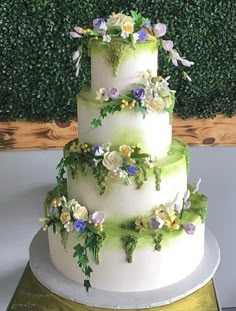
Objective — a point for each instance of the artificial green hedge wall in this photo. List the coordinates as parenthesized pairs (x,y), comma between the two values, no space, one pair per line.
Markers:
(38,77)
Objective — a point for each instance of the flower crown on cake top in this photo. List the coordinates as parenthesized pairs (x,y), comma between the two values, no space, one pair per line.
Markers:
(152,95)
(131,29)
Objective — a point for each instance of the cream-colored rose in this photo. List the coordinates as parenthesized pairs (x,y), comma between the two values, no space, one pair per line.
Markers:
(125,150)
(128,27)
(65,217)
(156,105)
(112,160)
(117,20)
(80,212)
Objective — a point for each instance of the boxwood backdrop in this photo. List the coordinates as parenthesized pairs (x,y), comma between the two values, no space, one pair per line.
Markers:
(37,74)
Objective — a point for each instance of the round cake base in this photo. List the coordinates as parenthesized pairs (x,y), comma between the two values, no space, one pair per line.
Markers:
(57,283)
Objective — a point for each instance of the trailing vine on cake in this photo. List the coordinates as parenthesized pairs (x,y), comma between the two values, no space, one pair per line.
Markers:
(157,238)
(129,243)
(152,95)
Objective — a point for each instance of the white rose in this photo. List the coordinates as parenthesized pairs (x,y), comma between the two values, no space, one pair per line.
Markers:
(80,212)
(112,160)
(156,105)
(117,20)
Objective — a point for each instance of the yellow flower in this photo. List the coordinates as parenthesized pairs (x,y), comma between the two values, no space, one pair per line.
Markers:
(162,212)
(128,27)
(172,223)
(168,101)
(141,224)
(65,217)
(125,150)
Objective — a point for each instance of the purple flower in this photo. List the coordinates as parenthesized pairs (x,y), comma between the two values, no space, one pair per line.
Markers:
(147,24)
(132,169)
(97,150)
(98,217)
(113,93)
(80,225)
(156,223)
(99,24)
(139,93)
(159,29)
(189,228)
(142,35)
(167,45)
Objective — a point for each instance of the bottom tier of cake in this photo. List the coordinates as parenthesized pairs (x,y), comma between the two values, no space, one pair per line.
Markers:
(150,269)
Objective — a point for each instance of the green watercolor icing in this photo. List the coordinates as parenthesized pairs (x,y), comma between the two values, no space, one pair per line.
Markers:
(118,50)
(129,243)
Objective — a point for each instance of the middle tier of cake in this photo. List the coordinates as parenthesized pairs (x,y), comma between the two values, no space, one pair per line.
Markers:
(152,133)
(162,182)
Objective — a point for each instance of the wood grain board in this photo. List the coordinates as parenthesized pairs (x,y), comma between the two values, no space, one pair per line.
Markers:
(22,135)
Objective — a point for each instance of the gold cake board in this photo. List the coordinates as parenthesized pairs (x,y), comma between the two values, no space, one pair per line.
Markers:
(31,295)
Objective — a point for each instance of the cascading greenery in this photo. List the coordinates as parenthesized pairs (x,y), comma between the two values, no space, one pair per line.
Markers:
(37,73)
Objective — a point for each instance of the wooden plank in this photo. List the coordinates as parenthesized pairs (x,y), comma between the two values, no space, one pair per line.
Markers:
(22,135)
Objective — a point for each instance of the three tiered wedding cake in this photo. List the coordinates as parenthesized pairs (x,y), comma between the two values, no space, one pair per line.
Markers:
(125,219)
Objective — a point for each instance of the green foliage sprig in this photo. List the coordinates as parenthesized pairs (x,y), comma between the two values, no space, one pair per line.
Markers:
(129,243)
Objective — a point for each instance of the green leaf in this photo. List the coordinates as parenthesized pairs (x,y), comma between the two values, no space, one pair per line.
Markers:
(88,271)
(139,156)
(93,229)
(79,250)
(96,123)
(87,285)
(141,109)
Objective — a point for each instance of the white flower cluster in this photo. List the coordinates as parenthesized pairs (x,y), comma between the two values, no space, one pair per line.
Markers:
(157,93)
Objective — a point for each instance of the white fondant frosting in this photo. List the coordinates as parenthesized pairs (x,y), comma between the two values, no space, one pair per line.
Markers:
(153,133)
(125,201)
(149,270)
(133,64)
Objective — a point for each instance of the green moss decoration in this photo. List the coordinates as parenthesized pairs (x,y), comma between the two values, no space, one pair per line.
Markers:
(157,173)
(157,238)
(129,243)
(117,50)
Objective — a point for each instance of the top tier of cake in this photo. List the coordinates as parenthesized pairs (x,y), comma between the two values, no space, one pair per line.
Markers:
(119,65)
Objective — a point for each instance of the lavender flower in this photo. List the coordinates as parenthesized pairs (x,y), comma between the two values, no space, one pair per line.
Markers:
(156,223)
(97,150)
(142,35)
(147,24)
(159,29)
(132,169)
(139,93)
(98,217)
(167,45)
(113,93)
(189,228)
(80,225)
(99,24)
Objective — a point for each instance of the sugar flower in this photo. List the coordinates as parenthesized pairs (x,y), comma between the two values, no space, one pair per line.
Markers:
(113,93)
(98,217)
(140,224)
(53,212)
(77,32)
(147,24)
(132,169)
(196,187)
(69,226)
(162,212)
(97,150)
(139,93)
(127,29)
(156,105)
(80,225)
(80,212)
(167,45)
(159,29)
(99,24)
(65,217)
(189,228)
(125,150)
(117,20)
(175,57)
(102,95)
(96,161)
(142,35)
(106,147)
(106,38)
(76,57)
(118,173)
(172,223)
(156,223)
(112,160)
